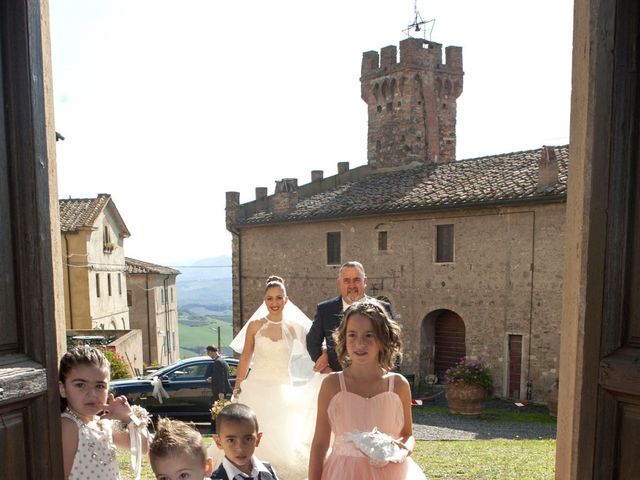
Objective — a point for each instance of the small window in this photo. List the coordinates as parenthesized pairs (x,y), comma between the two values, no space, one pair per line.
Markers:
(129,298)
(98,285)
(109,283)
(171,290)
(107,245)
(161,295)
(382,241)
(444,243)
(119,284)
(333,248)
(173,334)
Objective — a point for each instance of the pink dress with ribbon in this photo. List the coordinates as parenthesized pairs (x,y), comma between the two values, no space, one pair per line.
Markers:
(349,412)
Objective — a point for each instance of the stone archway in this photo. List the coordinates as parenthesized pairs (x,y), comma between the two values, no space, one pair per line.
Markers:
(443,342)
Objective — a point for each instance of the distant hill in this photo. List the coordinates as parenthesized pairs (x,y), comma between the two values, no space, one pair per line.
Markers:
(204,304)
(195,336)
(204,286)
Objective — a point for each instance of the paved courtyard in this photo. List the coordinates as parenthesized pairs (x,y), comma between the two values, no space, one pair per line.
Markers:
(438,425)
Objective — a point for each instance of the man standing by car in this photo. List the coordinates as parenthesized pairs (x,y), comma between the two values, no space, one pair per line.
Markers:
(218,376)
(352,282)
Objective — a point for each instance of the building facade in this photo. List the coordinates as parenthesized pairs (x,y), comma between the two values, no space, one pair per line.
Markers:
(153,308)
(92,238)
(469,252)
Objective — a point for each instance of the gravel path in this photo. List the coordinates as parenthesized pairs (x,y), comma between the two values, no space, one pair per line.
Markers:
(434,425)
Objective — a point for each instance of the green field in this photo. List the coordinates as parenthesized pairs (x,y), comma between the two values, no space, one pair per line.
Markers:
(196,334)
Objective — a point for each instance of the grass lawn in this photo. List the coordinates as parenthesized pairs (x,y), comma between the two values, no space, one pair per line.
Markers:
(487,459)
(193,339)
(459,460)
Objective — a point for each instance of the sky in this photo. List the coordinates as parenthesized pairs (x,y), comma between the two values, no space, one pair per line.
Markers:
(167,105)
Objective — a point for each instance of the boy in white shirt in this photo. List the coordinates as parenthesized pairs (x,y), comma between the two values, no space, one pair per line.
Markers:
(238,435)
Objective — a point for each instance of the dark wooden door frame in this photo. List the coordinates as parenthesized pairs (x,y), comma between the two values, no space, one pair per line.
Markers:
(28,366)
(618,408)
(599,400)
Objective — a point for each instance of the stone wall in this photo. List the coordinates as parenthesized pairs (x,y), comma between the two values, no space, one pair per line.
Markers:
(506,278)
(155,316)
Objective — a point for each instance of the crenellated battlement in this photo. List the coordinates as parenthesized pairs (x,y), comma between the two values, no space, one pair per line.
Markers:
(414,53)
(412,102)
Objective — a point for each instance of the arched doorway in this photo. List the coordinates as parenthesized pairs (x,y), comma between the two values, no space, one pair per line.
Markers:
(449,339)
(442,340)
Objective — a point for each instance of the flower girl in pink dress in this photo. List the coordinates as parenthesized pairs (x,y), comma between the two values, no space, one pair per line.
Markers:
(366,407)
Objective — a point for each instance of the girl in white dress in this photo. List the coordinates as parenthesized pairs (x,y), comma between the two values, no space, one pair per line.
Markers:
(275,378)
(88,440)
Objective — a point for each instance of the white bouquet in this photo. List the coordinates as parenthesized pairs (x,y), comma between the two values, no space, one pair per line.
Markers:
(379,447)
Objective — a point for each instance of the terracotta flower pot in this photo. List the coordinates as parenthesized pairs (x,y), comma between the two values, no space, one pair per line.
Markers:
(466,399)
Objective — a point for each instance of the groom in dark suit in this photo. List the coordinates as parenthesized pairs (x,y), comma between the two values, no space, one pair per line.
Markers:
(352,282)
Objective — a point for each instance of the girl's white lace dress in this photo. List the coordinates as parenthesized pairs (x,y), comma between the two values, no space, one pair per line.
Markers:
(96,454)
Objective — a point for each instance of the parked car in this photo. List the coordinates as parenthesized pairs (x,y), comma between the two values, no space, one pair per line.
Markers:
(189,394)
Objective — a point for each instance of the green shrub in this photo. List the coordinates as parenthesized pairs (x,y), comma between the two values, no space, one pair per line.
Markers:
(119,368)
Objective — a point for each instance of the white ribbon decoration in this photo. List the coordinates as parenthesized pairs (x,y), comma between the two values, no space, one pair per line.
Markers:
(158,389)
(137,429)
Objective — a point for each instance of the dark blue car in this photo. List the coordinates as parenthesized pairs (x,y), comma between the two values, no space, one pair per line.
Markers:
(178,391)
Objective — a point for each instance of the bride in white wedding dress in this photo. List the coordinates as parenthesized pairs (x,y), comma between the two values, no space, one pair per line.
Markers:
(275,378)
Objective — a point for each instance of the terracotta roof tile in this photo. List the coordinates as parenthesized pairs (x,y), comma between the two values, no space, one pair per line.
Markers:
(493,179)
(76,213)
(79,213)
(133,266)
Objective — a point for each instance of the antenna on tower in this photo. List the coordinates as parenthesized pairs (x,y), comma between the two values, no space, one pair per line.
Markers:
(419,24)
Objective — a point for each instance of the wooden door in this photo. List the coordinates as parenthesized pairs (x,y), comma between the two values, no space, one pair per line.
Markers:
(617,444)
(29,404)
(599,398)
(515,366)
(450,342)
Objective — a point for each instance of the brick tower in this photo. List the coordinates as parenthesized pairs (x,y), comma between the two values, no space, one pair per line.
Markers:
(411,103)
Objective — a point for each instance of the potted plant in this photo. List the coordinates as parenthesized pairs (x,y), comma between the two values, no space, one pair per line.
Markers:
(109,247)
(469,383)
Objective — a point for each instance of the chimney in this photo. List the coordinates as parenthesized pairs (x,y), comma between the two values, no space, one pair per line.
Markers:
(547,168)
(286,195)
(316,175)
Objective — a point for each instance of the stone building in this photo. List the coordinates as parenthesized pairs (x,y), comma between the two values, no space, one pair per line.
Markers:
(153,308)
(92,236)
(469,252)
